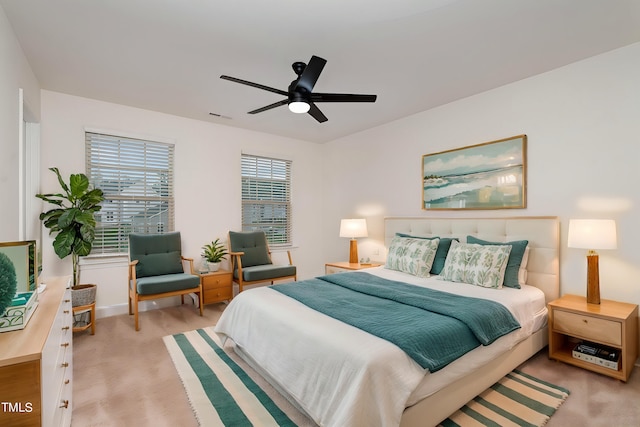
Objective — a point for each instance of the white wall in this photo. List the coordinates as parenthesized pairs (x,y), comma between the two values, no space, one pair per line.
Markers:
(15,74)
(207,179)
(582,123)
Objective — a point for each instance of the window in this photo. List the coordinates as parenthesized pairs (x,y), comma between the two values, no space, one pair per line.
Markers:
(266,198)
(136,177)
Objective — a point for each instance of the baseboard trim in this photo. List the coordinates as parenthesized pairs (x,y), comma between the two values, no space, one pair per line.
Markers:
(118,309)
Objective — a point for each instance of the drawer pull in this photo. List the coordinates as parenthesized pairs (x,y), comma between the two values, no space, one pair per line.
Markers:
(65,365)
(64,345)
(66,312)
(585,320)
(65,404)
(67,300)
(65,328)
(66,381)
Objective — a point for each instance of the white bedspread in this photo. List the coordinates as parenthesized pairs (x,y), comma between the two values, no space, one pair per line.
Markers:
(342,376)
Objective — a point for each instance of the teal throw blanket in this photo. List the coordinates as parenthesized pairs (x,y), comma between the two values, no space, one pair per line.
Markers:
(434,328)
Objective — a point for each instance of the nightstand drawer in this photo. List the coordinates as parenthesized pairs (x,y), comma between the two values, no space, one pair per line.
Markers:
(217,281)
(588,327)
(217,294)
(334,270)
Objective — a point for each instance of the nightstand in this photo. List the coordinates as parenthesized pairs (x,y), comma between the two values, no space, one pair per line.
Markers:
(341,267)
(610,323)
(216,286)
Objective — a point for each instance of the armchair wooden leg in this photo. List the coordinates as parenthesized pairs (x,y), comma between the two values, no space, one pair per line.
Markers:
(135,312)
(130,309)
(201,302)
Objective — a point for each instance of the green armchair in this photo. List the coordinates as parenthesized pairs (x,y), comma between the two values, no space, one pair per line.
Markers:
(251,260)
(156,270)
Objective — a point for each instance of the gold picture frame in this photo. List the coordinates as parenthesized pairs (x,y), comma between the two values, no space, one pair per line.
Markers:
(491,175)
(23,255)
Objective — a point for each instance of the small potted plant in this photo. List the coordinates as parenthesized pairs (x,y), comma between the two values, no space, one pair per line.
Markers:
(214,252)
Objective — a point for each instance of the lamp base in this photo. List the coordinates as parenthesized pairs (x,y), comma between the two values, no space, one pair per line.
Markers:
(593,279)
(353,251)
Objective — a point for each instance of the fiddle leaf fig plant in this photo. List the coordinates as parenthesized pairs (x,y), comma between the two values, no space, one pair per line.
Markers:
(72,220)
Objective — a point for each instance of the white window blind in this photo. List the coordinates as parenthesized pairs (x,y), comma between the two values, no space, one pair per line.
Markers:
(266,197)
(136,177)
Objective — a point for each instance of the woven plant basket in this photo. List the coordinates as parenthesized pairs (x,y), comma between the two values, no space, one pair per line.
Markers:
(83,295)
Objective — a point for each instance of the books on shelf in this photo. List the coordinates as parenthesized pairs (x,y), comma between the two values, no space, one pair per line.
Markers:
(597,354)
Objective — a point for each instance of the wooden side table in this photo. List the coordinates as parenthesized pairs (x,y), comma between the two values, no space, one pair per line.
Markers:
(610,323)
(217,286)
(341,267)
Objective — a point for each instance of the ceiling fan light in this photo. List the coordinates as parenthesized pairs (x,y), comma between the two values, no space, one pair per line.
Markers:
(299,107)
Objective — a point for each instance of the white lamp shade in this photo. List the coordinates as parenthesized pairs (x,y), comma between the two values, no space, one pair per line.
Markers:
(353,228)
(299,107)
(592,234)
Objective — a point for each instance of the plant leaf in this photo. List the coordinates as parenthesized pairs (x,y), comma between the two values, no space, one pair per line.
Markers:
(79,184)
(60,180)
(82,247)
(63,241)
(67,217)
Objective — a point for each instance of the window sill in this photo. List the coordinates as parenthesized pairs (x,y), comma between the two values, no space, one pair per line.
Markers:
(104,259)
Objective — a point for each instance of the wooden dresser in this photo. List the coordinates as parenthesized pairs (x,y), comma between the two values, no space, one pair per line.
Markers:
(36,363)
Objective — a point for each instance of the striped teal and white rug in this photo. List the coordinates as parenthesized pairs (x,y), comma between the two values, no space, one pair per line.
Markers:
(223,393)
(516,400)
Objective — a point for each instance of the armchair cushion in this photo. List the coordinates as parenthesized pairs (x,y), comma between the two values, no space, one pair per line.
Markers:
(253,244)
(266,272)
(157,254)
(166,283)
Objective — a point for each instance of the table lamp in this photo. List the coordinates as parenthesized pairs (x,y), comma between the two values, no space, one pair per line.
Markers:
(353,228)
(592,234)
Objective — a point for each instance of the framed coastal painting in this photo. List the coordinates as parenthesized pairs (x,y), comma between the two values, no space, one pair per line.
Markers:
(491,175)
(23,256)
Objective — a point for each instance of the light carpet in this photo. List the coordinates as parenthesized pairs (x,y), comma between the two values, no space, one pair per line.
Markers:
(221,393)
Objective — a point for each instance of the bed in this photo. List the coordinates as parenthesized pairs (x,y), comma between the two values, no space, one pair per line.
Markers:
(340,375)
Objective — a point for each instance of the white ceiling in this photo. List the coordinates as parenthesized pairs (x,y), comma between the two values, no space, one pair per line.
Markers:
(168,55)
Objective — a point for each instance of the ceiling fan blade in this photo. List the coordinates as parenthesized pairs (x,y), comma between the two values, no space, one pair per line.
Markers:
(256,85)
(316,113)
(270,106)
(309,76)
(342,97)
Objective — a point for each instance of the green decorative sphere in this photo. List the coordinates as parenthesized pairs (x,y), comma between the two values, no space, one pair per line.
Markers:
(8,282)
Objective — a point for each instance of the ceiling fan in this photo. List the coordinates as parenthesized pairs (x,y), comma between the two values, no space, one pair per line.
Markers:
(300,97)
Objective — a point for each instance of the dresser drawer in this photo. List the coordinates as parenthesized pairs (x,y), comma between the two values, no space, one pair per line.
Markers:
(216,281)
(588,327)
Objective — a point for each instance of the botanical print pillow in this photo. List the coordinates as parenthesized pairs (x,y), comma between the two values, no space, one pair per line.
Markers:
(413,256)
(516,260)
(481,265)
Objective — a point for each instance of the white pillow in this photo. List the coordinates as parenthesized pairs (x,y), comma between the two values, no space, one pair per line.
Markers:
(522,271)
(480,265)
(413,256)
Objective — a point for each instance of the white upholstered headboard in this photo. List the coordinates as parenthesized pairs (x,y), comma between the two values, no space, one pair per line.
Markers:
(543,234)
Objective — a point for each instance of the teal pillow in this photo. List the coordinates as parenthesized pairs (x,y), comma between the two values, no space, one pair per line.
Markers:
(515,258)
(441,253)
